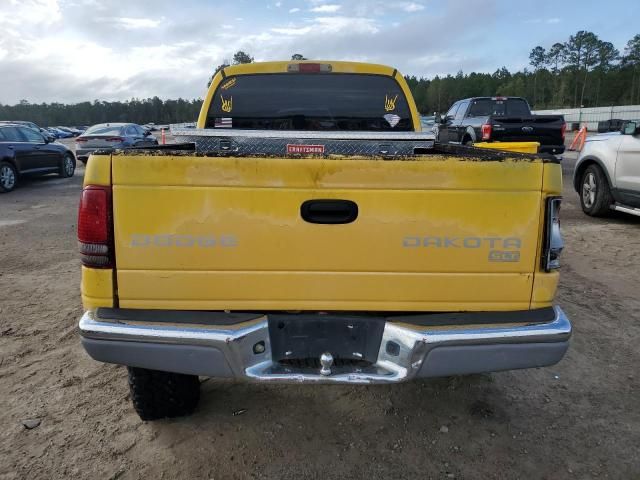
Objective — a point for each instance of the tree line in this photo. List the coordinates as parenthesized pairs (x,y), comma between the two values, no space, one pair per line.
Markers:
(135,110)
(583,71)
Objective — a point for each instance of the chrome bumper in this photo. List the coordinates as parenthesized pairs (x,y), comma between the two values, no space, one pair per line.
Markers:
(406,351)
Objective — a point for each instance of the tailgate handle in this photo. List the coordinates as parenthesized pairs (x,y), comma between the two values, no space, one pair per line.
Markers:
(329,211)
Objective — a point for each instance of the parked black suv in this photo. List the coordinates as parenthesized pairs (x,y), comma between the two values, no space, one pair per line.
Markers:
(24,151)
(500,119)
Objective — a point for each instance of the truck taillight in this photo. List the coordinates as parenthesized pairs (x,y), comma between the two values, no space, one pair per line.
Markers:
(553,243)
(486,132)
(95,234)
(563,131)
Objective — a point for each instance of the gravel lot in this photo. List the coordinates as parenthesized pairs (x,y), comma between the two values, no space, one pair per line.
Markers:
(579,419)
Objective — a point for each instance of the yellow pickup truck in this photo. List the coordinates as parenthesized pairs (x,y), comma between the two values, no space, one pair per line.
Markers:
(307,231)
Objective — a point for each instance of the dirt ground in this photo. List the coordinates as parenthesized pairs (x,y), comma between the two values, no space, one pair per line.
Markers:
(579,419)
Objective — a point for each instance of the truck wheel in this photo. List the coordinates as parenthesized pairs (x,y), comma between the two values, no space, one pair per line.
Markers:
(157,394)
(467,141)
(68,166)
(8,177)
(595,195)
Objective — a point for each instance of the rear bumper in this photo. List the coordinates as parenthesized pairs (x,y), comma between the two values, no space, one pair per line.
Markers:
(406,351)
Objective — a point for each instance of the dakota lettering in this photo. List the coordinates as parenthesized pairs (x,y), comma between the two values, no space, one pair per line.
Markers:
(450,243)
(512,243)
(432,241)
(472,242)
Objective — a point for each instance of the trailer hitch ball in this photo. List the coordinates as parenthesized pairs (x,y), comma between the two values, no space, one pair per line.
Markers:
(326,360)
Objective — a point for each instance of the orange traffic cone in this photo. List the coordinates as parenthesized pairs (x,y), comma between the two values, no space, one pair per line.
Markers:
(578,141)
(163,137)
(583,139)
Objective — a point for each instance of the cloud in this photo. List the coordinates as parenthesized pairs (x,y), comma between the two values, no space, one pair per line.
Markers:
(329,8)
(30,12)
(346,25)
(292,31)
(77,50)
(134,23)
(411,7)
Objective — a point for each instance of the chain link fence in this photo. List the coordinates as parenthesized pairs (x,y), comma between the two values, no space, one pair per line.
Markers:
(596,119)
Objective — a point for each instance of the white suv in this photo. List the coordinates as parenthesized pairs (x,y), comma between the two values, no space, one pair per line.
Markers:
(607,174)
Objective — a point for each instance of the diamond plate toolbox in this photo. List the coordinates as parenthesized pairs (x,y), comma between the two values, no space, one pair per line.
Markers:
(269,142)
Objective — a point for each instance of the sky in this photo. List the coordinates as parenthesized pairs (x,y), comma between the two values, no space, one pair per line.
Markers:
(77,50)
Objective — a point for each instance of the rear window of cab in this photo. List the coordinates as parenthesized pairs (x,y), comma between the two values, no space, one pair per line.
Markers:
(316,101)
(483,107)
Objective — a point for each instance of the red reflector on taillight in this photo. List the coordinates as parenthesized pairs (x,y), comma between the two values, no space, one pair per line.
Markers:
(80,140)
(486,132)
(94,226)
(563,131)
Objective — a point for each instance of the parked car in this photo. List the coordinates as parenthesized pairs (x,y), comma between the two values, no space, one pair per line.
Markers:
(21,122)
(112,136)
(59,133)
(33,126)
(501,119)
(72,131)
(52,132)
(313,250)
(607,173)
(24,151)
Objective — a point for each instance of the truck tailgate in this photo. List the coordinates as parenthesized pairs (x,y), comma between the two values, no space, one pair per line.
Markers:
(545,129)
(220,233)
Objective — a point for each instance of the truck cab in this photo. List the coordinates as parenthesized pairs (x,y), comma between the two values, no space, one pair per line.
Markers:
(310,96)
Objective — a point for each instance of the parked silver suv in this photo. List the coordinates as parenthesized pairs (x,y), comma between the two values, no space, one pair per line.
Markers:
(607,174)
